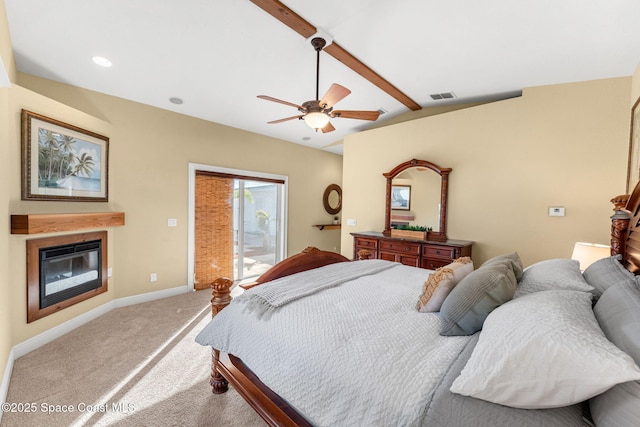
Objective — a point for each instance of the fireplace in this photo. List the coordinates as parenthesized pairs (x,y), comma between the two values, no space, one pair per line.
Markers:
(64,270)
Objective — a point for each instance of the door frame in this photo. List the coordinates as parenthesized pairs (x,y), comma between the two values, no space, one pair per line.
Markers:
(193,168)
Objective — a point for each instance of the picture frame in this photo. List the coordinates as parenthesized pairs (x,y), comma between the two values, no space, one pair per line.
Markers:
(633,168)
(401,197)
(62,162)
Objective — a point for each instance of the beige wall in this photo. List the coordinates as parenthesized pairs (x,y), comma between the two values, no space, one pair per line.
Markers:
(20,98)
(5,302)
(5,319)
(150,150)
(562,145)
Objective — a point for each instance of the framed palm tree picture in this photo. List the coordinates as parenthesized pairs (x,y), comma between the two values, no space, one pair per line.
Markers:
(62,161)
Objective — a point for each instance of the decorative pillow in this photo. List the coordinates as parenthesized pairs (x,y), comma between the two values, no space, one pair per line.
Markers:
(543,350)
(513,259)
(441,282)
(607,272)
(618,312)
(552,274)
(480,292)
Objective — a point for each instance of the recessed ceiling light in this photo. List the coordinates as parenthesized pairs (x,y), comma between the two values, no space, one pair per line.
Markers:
(306,138)
(103,62)
(175,100)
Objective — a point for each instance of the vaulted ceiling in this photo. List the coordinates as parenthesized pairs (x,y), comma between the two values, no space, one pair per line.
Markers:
(218,55)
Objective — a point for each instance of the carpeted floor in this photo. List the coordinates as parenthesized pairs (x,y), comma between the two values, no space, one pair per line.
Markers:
(134,366)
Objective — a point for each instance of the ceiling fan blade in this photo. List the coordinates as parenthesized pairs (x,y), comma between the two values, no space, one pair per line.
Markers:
(280,101)
(356,114)
(333,95)
(328,128)
(273,122)
(287,16)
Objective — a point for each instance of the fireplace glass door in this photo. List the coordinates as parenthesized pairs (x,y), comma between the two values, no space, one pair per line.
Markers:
(69,270)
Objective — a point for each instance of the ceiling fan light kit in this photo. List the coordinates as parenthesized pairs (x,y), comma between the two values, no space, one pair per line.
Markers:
(316,119)
(318,112)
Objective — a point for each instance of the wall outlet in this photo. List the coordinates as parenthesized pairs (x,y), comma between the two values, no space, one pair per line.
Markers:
(172,222)
(352,221)
(153,277)
(556,211)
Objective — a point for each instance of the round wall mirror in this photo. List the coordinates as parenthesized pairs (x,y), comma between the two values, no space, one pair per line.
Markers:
(332,199)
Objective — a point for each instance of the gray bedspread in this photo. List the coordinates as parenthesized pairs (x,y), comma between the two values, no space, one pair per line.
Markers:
(453,410)
(359,353)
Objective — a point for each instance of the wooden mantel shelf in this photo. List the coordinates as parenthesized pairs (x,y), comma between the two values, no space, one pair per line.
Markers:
(50,223)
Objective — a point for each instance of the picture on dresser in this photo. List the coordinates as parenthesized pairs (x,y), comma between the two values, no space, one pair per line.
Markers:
(401,197)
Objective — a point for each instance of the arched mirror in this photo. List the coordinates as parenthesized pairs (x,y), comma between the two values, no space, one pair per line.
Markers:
(417,193)
(332,199)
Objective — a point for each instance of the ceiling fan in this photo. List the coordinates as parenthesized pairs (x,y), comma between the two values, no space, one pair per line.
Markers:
(317,112)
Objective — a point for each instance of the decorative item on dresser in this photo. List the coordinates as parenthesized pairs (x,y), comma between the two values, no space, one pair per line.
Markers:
(416,253)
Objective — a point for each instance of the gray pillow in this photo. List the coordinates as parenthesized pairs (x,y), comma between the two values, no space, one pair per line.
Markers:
(607,272)
(618,313)
(475,296)
(513,259)
(552,274)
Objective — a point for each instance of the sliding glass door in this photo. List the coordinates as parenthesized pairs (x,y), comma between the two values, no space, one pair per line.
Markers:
(238,223)
(256,223)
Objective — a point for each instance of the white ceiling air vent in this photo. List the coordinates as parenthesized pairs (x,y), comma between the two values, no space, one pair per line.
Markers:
(445,95)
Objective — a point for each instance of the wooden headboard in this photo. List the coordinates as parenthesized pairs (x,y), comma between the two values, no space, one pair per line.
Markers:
(625,229)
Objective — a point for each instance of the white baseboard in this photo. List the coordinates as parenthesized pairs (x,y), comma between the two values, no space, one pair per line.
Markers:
(56,332)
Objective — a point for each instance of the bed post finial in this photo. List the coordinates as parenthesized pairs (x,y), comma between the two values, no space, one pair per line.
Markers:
(619,224)
(364,254)
(221,292)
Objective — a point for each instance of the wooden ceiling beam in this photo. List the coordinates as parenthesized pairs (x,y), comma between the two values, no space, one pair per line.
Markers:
(339,53)
(294,21)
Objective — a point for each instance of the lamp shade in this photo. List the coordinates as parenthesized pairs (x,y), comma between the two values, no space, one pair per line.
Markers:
(588,253)
(316,119)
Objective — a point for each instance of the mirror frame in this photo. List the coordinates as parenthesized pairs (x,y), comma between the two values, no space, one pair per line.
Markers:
(441,234)
(325,199)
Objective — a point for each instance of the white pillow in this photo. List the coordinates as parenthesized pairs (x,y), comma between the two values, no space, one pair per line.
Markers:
(543,350)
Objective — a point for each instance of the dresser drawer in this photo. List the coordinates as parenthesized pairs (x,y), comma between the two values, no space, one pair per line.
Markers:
(438,252)
(402,247)
(362,243)
(432,264)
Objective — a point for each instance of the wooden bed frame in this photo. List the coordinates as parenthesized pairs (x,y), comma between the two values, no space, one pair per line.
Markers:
(625,240)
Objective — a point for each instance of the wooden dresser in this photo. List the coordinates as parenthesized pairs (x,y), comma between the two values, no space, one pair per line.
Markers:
(416,253)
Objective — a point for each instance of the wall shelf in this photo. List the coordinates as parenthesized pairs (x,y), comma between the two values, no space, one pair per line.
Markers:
(327,226)
(50,223)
